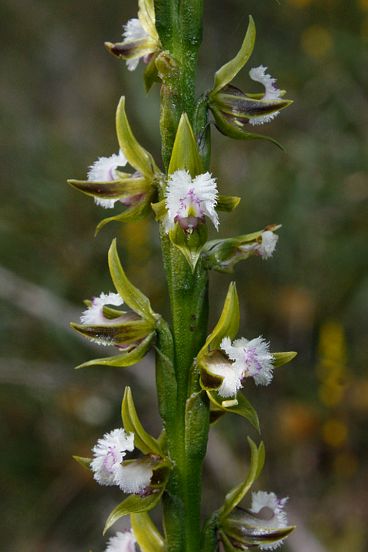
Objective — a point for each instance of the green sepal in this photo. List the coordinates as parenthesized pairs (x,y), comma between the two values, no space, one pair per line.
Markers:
(146,533)
(132,49)
(123,333)
(132,296)
(84,462)
(146,15)
(189,244)
(185,153)
(279,359)
(125,187)
(236,495)
(235,128)
(228,71)
(228,324)
(136,155)
(135,212)
(227,203)
(142,440)
(131,355)
(150,75)
(133,504)
(228,547)
(232,101)
(159,209)
(243,407)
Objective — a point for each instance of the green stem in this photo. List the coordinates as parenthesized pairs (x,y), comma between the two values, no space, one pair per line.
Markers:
(179,23)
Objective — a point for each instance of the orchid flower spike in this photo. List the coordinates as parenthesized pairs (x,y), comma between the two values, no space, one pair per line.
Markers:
(189,200)
(104,170)
(108,463)
(122,542)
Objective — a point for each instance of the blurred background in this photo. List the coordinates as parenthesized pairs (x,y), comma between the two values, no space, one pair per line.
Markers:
(57,102)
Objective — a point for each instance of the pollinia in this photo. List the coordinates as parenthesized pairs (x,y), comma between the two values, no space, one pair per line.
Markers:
(200,377)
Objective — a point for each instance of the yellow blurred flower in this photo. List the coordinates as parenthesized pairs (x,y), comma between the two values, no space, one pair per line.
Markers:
(317,42)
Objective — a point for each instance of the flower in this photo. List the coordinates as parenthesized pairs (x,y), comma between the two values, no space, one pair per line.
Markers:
(264,525)
(140,37)
(268,513)
(189,200)
(104,170)
(258,74)
(264,248)
(109,468)
(133,31)
(108,455)
(94,314)
(268,244)
(253,357)
(244,359)
(122,542)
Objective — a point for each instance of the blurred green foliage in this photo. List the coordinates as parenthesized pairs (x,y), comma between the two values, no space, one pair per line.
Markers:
(57,103)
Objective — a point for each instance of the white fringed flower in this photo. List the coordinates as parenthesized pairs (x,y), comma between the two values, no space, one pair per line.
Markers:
(122,542)
(268,244)
(94,315)
(104,170)
(189,200)
(133,30)
(232,375)
(109,468)
(270,514)
(133,477)
(258,74)
(108,455)
(249,359)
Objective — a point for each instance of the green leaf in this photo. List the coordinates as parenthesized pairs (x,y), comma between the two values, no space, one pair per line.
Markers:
(228,324)
(132,296)
(243,407)
(130,356)
(137,156)
(185,150)
(133,504)
(142,440)
(237,494)
(146,533)
(191,244)
(279,359)
(84,462)
(227,203)
(232,68)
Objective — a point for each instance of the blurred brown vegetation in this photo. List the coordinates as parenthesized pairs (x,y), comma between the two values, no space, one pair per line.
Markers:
(57,101)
